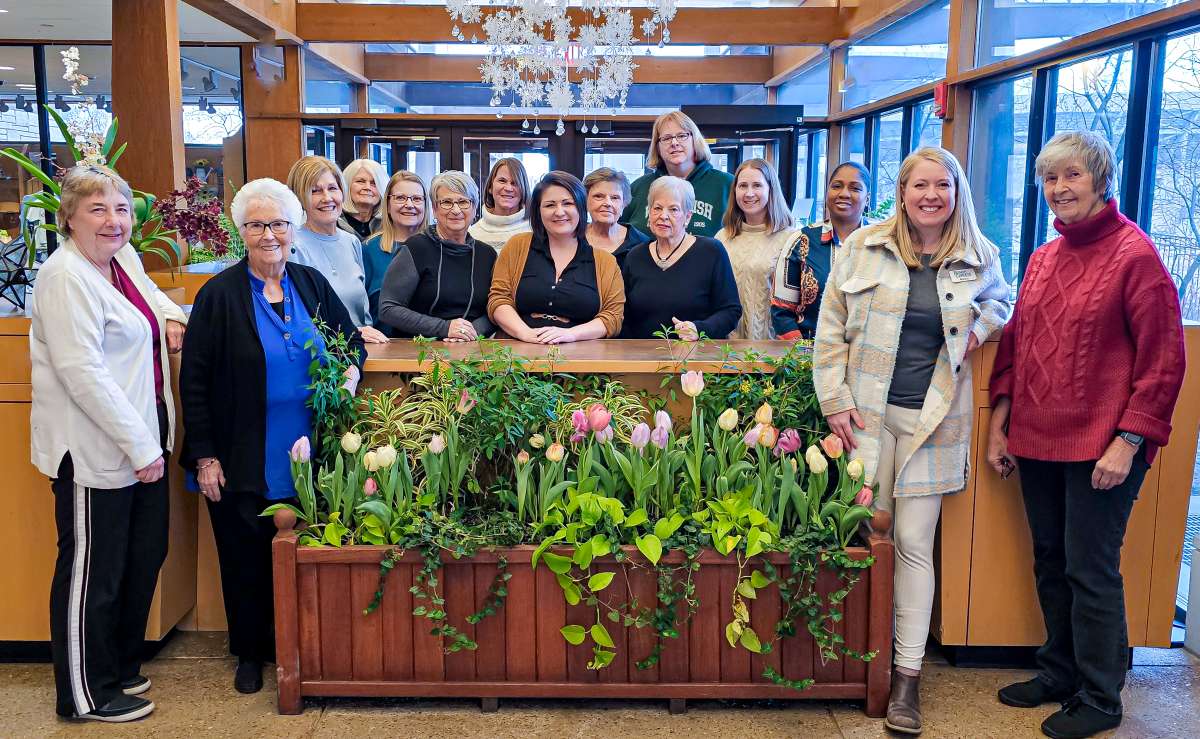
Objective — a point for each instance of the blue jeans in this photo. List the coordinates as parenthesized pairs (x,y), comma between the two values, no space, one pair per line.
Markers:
(1077,536)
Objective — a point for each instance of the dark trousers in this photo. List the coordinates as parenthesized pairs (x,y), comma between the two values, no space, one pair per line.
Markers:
(1077,536)
(111,544)
(244,550)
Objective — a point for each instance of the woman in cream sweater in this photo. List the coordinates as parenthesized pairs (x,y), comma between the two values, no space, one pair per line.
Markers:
(757,229)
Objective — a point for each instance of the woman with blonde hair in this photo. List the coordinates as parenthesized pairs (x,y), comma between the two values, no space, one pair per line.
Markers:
(678,149)
(758,228)
(319,243)
(405,214)
(504,213)
(906,303)
(362,213)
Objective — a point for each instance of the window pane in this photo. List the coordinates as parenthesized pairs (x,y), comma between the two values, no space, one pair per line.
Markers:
(889,131)
(809,88)
(627,156)
(999,137)
(927,128)
(1093,95)
(854,141)
(907,54)
(18,129)
(1175,215)
(1009,28)
(820,147)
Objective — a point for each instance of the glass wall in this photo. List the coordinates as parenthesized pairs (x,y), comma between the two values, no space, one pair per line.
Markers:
(810,88)
(926,127)
(854,141)
(18,129)
(907,54)
(889,152)
(1009,28)
(1175,205)
(997,165)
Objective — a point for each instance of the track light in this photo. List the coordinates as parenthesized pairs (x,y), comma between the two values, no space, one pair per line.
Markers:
(3,107)
(211,109)
(23,104)
(183,73)
(209,83)
(236,91)
(60,104)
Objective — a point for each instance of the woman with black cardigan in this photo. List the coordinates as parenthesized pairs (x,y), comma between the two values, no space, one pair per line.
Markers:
(252,323)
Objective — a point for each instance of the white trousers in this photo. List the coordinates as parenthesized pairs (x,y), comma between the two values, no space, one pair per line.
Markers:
(914,526)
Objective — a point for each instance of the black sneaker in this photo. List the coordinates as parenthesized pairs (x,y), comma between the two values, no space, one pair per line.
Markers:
(248,678)
(135,685)
(1031,694)
(1078,720)
(121,709)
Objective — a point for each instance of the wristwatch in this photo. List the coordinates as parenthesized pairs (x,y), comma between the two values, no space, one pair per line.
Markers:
(1134,440)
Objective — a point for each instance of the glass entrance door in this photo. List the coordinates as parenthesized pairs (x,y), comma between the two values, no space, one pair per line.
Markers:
(626,155)
(420,154)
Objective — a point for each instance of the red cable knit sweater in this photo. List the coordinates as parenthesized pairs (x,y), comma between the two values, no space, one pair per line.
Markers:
(1095,345)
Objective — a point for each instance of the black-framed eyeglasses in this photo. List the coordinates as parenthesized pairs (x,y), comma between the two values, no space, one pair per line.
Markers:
(258,228)
(682,138)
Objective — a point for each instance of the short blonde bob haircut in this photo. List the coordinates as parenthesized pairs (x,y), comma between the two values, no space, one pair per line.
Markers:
(377,172)
(84,181)
(304,175)
(961,237)
(608,174)
(700,151)
(516,171)
(1089,149)
(779,215)
(389,230)
(675,188)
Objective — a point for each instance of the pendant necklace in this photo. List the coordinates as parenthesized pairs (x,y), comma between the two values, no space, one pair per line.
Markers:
(663,262)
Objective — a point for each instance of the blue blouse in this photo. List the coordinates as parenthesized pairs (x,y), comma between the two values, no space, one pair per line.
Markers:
(288,415)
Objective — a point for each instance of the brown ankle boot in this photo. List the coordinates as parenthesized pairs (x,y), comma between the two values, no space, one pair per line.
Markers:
(904,706)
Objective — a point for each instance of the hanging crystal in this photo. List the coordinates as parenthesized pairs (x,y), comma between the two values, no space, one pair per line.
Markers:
(560,130)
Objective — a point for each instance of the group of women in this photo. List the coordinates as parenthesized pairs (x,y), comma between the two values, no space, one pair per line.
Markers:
(1087,374)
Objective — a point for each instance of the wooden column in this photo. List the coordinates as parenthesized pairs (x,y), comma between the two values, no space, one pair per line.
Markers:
(147,93)
(274,134)
(956,128)
(148,98)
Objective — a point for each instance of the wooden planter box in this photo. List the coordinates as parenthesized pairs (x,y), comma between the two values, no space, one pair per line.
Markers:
(325,646)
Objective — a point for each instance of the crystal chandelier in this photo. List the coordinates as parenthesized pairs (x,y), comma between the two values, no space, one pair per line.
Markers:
(534,44)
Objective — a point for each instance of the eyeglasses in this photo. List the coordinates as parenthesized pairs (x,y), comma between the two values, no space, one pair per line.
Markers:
(449,205)
(258,228)
(682,138)
(414,199)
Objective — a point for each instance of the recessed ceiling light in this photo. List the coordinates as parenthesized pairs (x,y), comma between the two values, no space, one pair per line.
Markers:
(7,69)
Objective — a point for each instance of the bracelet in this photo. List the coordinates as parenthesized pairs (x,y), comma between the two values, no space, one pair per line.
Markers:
(207,464)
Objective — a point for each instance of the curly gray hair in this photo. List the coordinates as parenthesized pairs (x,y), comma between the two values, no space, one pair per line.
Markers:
(266,189)
(1089,149)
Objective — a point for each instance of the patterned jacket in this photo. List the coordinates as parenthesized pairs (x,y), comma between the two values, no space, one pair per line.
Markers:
(800,276)
(858,333)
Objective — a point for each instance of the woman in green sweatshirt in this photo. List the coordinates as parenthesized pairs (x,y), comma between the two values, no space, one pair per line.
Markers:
(677,148)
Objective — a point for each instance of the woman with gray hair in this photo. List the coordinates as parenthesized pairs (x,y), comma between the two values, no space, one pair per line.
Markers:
(1092,359)
(101,426)
(679,282)
(437,284)
(244,386)
(363,211)
(607,195)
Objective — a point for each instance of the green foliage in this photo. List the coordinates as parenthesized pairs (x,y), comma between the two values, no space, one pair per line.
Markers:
(334,407)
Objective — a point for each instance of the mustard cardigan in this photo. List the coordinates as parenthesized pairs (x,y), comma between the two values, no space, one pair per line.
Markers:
(510,265)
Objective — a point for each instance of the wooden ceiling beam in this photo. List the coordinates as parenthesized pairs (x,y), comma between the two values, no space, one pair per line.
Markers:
(336,22)
(742,69)
(269,22)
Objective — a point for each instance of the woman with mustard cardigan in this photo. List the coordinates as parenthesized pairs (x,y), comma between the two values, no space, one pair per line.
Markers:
(550,286)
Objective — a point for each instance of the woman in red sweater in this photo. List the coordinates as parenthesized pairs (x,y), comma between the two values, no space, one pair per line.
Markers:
(1082,393)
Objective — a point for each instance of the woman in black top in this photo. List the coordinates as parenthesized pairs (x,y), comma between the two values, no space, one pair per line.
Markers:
(437,284)
(607,195)
(551,286)
(678,281)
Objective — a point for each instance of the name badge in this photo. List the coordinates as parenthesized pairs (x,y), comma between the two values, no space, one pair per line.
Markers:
(962,275)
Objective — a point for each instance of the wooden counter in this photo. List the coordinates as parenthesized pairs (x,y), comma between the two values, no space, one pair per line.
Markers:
(190,277)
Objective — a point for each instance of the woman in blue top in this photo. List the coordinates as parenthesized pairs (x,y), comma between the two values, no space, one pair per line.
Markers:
(244,390)
(406,213)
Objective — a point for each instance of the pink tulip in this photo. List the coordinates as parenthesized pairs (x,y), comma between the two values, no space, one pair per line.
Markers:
(465,402)
(865,497)
(751,437)
(301,450)
(789,442)
(693,383)
(660,437)
(662,420)
(579,421)
(640,437)
(522,457)
(370,487)
(832,445)
(598,417)
(577,437)
(768,436)
(604,435)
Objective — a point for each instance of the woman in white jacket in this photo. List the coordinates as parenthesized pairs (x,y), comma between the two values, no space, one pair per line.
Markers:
(101,426)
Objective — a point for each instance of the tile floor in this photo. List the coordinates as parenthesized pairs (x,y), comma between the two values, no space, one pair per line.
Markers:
(195,698)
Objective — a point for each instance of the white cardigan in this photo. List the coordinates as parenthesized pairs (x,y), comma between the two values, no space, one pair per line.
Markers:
(93,381)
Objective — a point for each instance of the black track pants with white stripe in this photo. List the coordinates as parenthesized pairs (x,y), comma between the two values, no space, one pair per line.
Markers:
(111,544)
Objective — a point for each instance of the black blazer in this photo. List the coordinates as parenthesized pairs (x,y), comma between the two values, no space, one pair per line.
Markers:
(223,377)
